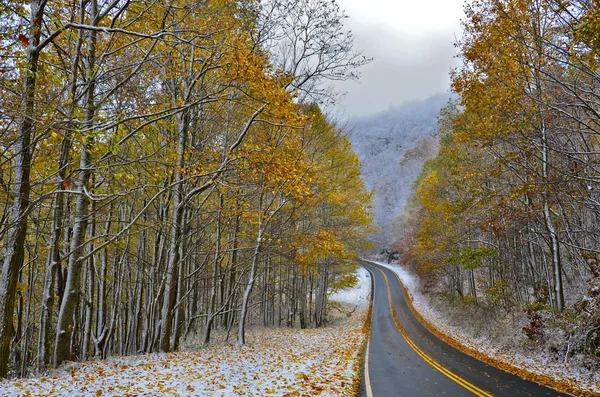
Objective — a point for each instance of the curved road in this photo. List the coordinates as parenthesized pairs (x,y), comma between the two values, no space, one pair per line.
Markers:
(405,359)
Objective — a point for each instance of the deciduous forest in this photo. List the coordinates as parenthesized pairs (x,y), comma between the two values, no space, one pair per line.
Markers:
(506,217)
(166,171)
(171,176)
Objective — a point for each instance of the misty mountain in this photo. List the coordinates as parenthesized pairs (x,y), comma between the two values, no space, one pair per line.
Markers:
(392,146)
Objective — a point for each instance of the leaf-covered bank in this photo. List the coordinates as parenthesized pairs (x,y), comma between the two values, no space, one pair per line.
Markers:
(276,362)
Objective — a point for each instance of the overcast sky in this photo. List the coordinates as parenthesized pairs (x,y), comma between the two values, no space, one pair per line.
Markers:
(411,43)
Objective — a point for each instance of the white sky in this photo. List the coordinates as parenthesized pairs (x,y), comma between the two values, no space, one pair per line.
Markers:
(412,43)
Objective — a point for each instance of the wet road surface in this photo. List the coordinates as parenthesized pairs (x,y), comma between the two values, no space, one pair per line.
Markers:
(405,359)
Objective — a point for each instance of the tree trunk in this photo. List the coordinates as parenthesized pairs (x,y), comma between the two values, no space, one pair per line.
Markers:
(89,299)
(53,266)
(213,291)
(166,321)
(241,337)
(179,312)
(14,249)
(71,299)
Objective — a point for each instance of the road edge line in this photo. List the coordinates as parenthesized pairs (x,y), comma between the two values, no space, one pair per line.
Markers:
(368,323)
(368,389)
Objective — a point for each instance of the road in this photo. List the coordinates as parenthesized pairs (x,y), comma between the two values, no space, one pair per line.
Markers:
(405,359)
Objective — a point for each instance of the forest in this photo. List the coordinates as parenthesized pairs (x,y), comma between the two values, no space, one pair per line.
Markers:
(506,217)
(166,170)
(392,146)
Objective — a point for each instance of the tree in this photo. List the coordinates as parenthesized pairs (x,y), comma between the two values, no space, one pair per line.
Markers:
(174,166)
(14,245)
(507,208)
(307,38)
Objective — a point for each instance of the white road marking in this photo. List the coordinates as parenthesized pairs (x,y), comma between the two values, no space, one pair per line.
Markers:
(367,379)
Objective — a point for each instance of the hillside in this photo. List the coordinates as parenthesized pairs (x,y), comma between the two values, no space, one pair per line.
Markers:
(392,146)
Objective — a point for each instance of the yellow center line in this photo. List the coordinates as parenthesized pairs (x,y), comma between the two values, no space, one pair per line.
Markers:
(470,387)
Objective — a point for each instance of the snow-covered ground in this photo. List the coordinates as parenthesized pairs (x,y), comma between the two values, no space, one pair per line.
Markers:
(512,354)
(275,362)
(358,294)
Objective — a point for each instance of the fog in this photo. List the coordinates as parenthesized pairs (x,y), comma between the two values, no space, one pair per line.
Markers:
(412,47)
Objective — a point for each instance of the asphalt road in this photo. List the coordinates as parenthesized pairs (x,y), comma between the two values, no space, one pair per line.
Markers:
(418,363)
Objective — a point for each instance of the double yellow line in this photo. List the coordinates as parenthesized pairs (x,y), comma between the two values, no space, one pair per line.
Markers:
(470,387)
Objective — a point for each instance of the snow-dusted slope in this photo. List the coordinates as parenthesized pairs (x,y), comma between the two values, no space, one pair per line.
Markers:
(357,295)
(276,362)
(392,146)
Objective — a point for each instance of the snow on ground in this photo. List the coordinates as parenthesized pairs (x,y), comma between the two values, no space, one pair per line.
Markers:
(275,362)
(531,361)
(358,294)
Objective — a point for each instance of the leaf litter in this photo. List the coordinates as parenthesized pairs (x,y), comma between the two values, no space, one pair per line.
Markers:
(275,362)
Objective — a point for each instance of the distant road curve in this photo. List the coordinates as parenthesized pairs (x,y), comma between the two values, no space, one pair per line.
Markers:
(404,359)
